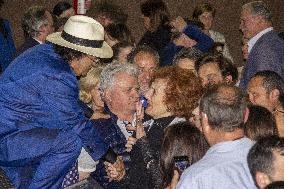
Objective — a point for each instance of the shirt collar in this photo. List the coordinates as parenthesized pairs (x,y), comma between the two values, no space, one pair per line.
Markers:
(40,42)
(253,40)
(228,145)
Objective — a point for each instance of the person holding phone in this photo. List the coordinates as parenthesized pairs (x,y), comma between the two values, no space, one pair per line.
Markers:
(182,146)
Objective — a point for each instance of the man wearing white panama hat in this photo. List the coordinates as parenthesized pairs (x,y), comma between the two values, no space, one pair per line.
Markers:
(42,127)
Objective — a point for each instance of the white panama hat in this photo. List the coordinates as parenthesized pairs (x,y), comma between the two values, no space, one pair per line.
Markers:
(84,34)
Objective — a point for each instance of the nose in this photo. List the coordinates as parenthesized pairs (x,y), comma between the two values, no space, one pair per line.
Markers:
(205,82)
(241,26)
(251,98)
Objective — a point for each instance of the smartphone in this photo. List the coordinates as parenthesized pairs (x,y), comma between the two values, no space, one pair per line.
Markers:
(181,163)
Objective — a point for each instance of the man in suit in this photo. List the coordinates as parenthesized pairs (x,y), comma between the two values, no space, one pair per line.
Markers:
(37,24)
(42,127)
(265,48)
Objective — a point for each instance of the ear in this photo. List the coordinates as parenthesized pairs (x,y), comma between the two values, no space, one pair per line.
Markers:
(204,123)
(105,95)
(246,115)
(228,79)
(262,179)
(274,94)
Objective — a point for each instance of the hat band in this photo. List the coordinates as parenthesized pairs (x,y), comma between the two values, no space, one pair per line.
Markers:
(82,42)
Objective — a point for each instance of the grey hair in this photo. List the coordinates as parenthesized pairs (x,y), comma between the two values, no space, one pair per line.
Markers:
(259,8)
(108,75)
(33,19)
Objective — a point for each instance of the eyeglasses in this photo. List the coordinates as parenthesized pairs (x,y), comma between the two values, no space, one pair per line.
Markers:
(95,60)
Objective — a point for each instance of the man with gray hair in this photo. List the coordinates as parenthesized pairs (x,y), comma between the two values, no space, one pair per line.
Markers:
(37,24)
(119,91)
(265,47)
(224,166)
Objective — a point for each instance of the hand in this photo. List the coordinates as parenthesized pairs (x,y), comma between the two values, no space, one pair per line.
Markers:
(139,111)
(139,129)
(115,171)
(178,24)
(174,180)
(99,115)
(131,141)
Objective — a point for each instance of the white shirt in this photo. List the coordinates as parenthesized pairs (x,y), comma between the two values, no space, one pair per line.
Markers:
(253,40)
(40,42)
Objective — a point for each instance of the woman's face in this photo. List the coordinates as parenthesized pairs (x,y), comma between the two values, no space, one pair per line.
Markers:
(156,97)
(207,20)
(146,22)
(124,52)
(96,98)
(110,41)
(68,13)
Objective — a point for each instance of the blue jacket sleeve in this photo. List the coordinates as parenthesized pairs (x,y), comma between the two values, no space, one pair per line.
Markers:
(204,42)
(61,97)
(169,53)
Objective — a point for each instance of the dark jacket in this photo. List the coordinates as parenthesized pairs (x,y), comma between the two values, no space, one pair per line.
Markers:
(157,39)
(144,171)
(29,43)
(266,54)
(113,137)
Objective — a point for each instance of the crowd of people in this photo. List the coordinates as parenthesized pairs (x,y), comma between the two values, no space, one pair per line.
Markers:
(81,101)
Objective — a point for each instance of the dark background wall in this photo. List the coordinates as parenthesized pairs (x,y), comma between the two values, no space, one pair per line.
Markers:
(226,19)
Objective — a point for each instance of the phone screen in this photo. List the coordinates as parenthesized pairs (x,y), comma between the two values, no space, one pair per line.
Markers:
(181,163)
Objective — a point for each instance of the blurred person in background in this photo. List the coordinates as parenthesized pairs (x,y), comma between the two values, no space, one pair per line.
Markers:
(181,139)
(121,51)
(186,34)
(116,33)
(37,24)
(156,19)
(214,69)
(260,123)
(205,13)
(266,89)
(107,13)
(187,57)
(63,9)
(266,161)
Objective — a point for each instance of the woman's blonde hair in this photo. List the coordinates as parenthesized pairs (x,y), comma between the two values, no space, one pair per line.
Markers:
(89,82)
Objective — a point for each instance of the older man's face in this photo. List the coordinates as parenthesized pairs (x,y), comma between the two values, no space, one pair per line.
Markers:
(123,95)
(146,64)
(249,24)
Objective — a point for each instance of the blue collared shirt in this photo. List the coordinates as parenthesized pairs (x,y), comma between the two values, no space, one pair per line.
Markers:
(224,166)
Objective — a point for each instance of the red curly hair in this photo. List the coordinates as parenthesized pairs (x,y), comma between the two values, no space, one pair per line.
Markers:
(183,90)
